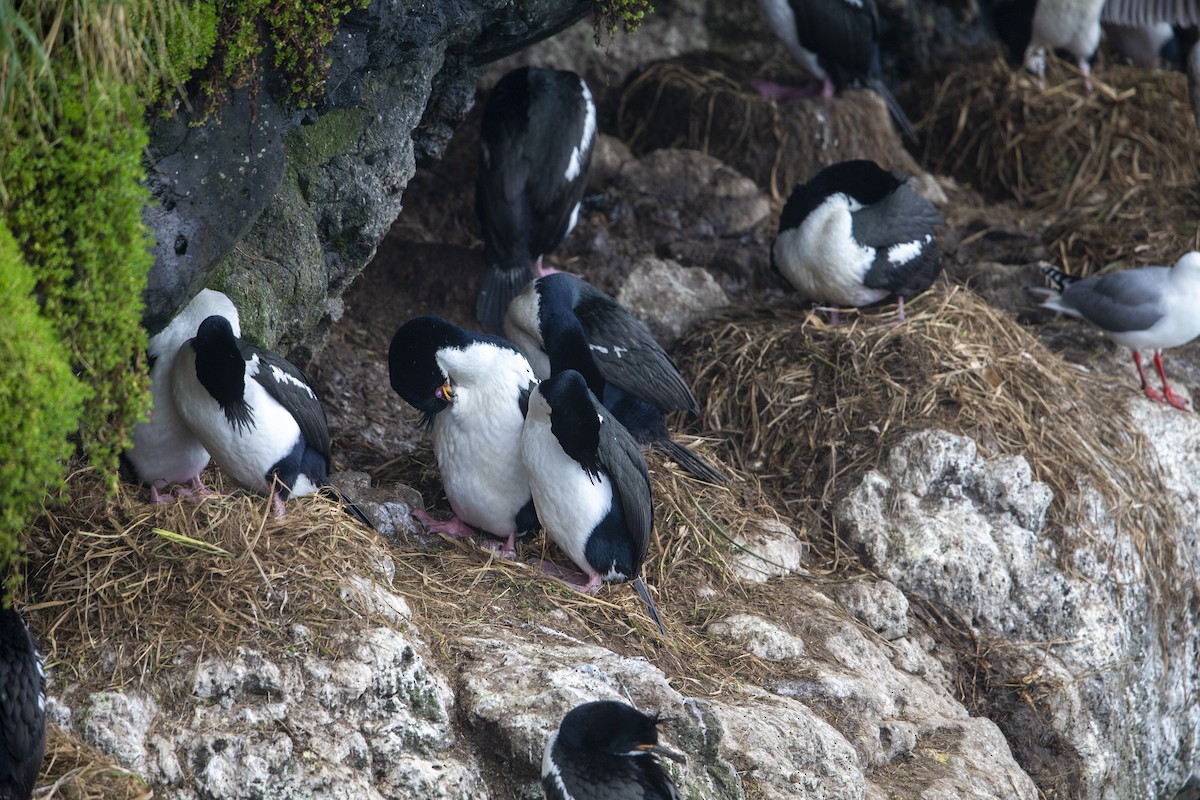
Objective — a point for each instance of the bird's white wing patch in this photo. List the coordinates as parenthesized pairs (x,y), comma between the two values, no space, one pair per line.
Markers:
(575,163)
(905,251)
(283,377)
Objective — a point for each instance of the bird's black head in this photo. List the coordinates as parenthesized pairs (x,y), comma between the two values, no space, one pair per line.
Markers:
(221,368)
(864,180)
(563,332)
(608,726)
(574,420)
(412,360)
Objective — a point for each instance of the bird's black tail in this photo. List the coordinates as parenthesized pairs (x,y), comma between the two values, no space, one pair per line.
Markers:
(352,508)
(644,593)
(893,105)
(689,462)
(500,286)
(1060,279)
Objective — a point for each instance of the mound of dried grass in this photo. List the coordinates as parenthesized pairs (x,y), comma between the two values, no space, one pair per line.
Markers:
(688,570)
(992,126)
(121,587)
(702,101)
(808,408)
(72,770)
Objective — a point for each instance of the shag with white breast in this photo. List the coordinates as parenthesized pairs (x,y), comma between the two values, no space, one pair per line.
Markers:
(855,235)
(607,750)
(1148,308)
(469,386)
(256,413)
(590,484)
(164,449)
(562,322)
(535,149)
(22,703)
(836,41)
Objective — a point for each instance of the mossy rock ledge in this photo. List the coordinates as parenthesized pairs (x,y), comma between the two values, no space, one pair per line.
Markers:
(281,207)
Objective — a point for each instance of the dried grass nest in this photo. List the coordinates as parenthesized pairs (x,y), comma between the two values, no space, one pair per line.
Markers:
(122,589)
(1118,171)
(807,409)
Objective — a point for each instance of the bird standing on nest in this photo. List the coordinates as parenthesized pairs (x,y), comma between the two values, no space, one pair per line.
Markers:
(256,413)
(1144,308)
(562,322)
(836,41)
(469,386)
(164,449)
(535,148)
(1074,26)
(590,485)
(606,751)
(22,703)
(857,234)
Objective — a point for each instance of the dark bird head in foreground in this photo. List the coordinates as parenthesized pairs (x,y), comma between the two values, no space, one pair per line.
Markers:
(607,750)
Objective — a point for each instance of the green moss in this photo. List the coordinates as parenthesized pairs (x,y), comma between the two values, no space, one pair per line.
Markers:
(177,38)
(74,207)
(39,395)
(293,34)
(628,15)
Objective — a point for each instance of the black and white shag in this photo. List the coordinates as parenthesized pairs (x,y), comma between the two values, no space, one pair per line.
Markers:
(607,750)
(562,322)
(256,413)
(538,131)
(22,704)
(855,235)
(590,483)
(836,41)
(470,387)
(164,449)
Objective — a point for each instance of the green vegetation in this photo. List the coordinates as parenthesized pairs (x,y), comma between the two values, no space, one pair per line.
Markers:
(39,395)
(76,78)
(628,15)
(294,33)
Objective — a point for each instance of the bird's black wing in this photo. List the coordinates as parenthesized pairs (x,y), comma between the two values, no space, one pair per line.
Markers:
(284,382)
(1147,12)
(628,355)
(900,229)
(842,32)
(22,714)
(561,140)
(621,459)
(506,159)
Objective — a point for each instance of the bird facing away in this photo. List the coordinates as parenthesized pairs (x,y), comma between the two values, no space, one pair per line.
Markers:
(469,386)
(22,704)
(256,413)
(1148,308)
(857,234)
(836,41)
(607,750)
(538,130)
(590,484)
(164,449)
(562,322)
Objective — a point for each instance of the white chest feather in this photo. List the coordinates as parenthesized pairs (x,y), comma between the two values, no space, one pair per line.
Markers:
(164,448)
(477,442)
(244,452)
(1072,25)
(569,502)
(822,260)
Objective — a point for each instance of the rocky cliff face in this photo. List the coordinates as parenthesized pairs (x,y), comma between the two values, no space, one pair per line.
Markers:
(282,208)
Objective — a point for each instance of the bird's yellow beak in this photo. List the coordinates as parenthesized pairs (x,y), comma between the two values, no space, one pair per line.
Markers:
(446,392)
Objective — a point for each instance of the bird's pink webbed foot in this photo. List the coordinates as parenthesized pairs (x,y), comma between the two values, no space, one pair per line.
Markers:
(505,549)
(157,497)
(277,502)
(453,527)
(541,271)
(579,581)
(199,489)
